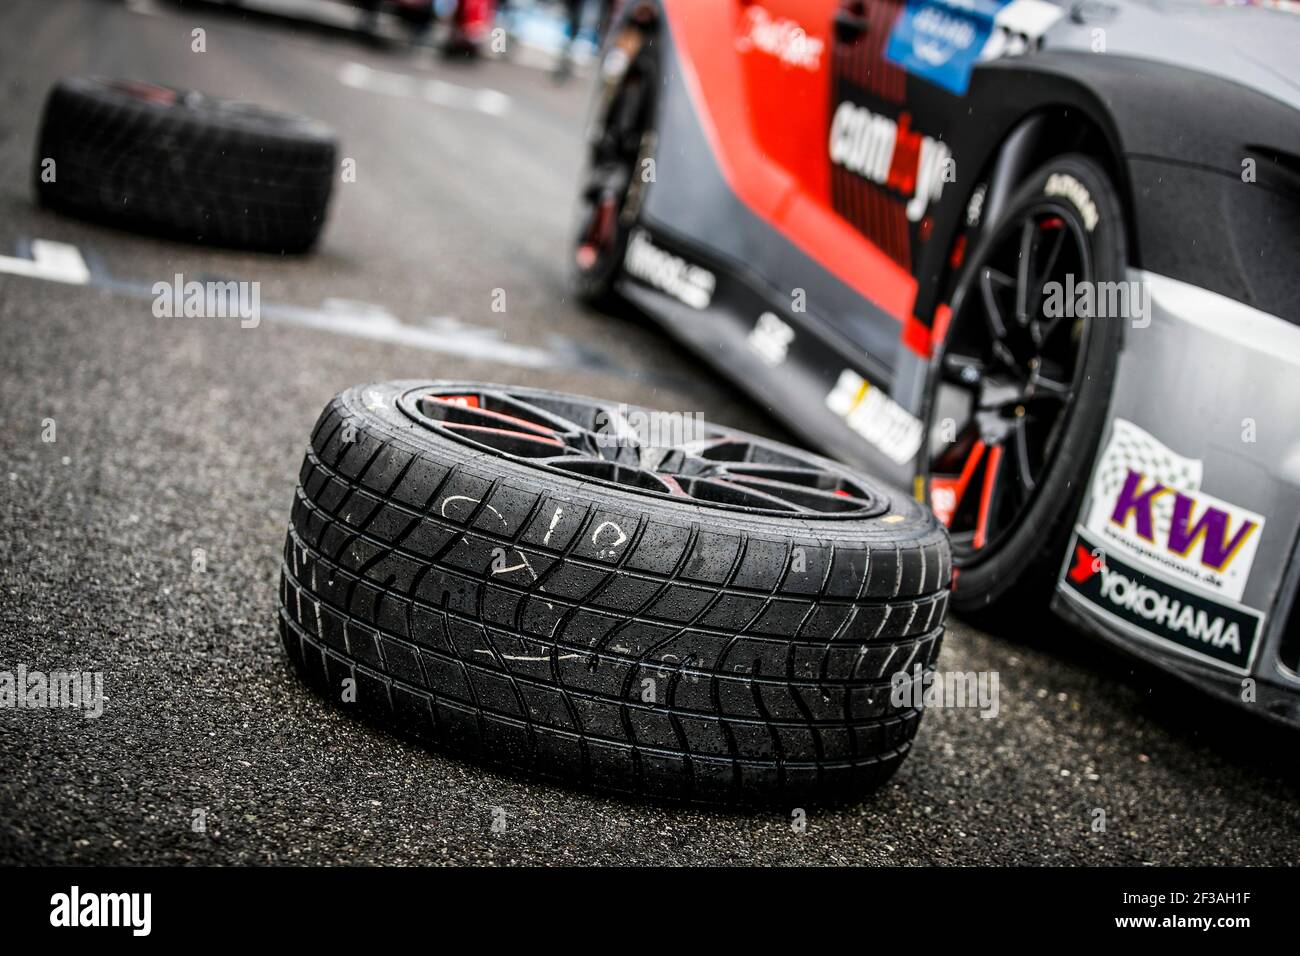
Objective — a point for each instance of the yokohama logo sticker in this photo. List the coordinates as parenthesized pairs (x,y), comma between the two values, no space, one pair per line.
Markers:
(890,153)
(687,283)
(1146,502)
(1143,604)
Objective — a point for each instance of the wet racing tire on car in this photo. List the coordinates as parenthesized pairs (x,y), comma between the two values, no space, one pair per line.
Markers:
(541,581)
(185,165)
(1023,380)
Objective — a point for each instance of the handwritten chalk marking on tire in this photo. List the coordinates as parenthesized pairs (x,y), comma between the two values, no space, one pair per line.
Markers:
(499,563)
(555,519)
(524,657)
(613,547)
(473,501)
(498,567)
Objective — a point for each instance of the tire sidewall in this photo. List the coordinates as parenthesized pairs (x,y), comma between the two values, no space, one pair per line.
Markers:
(377,405)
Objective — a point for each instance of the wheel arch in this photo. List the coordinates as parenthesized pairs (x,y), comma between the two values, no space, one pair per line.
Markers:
(1005,137)
(1054,130)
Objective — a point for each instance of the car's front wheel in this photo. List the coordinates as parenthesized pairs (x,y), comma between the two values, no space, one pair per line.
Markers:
(1022,381)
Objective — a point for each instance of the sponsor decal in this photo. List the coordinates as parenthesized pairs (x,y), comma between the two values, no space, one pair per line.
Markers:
(1144,604)
(1063,184)
(779,37)
(1019,26)
(690,284)
(942,40)
(890,153)
(876,417)
(770,339)
(1146,502)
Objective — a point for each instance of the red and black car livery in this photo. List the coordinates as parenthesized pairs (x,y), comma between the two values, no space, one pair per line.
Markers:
(1035,260)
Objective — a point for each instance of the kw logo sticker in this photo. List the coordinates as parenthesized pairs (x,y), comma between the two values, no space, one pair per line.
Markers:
(1146,502)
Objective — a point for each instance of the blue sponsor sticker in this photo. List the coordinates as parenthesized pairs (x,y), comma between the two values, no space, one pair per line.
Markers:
(940,40)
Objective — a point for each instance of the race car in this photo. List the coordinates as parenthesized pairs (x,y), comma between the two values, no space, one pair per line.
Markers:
(1035,261)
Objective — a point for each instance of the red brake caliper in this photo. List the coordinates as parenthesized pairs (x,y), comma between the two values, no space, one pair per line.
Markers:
(986,495)
(600,233)
(946,493)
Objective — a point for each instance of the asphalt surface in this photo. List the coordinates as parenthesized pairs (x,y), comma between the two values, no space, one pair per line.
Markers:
(177,434)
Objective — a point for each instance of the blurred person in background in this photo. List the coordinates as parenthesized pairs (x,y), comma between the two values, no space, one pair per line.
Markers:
(467,25)
(576,10)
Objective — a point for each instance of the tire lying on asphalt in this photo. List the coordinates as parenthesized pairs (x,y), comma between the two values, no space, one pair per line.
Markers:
(184,164)
(590,593)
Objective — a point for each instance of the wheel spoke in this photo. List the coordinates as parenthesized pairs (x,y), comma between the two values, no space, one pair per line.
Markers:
(1048,385)
(1019,372)
(1025,270)
(992,310)
(599,442)
(1020,445)
(1040,327)
(803,496)
(963,370)
(726,492)
(1054,253)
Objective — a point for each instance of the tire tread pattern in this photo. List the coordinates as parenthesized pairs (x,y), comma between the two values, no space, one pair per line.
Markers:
(197,169)
(764,687)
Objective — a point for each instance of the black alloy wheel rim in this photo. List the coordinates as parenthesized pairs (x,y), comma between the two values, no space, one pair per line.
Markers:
(1008,377)
(676,457)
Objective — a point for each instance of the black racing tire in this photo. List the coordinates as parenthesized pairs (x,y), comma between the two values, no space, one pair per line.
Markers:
(1011,587)
(771,676)
(185,165)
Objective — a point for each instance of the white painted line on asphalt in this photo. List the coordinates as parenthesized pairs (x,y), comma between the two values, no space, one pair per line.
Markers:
(439,92)
(52,261)
(60,262)
(446,335)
